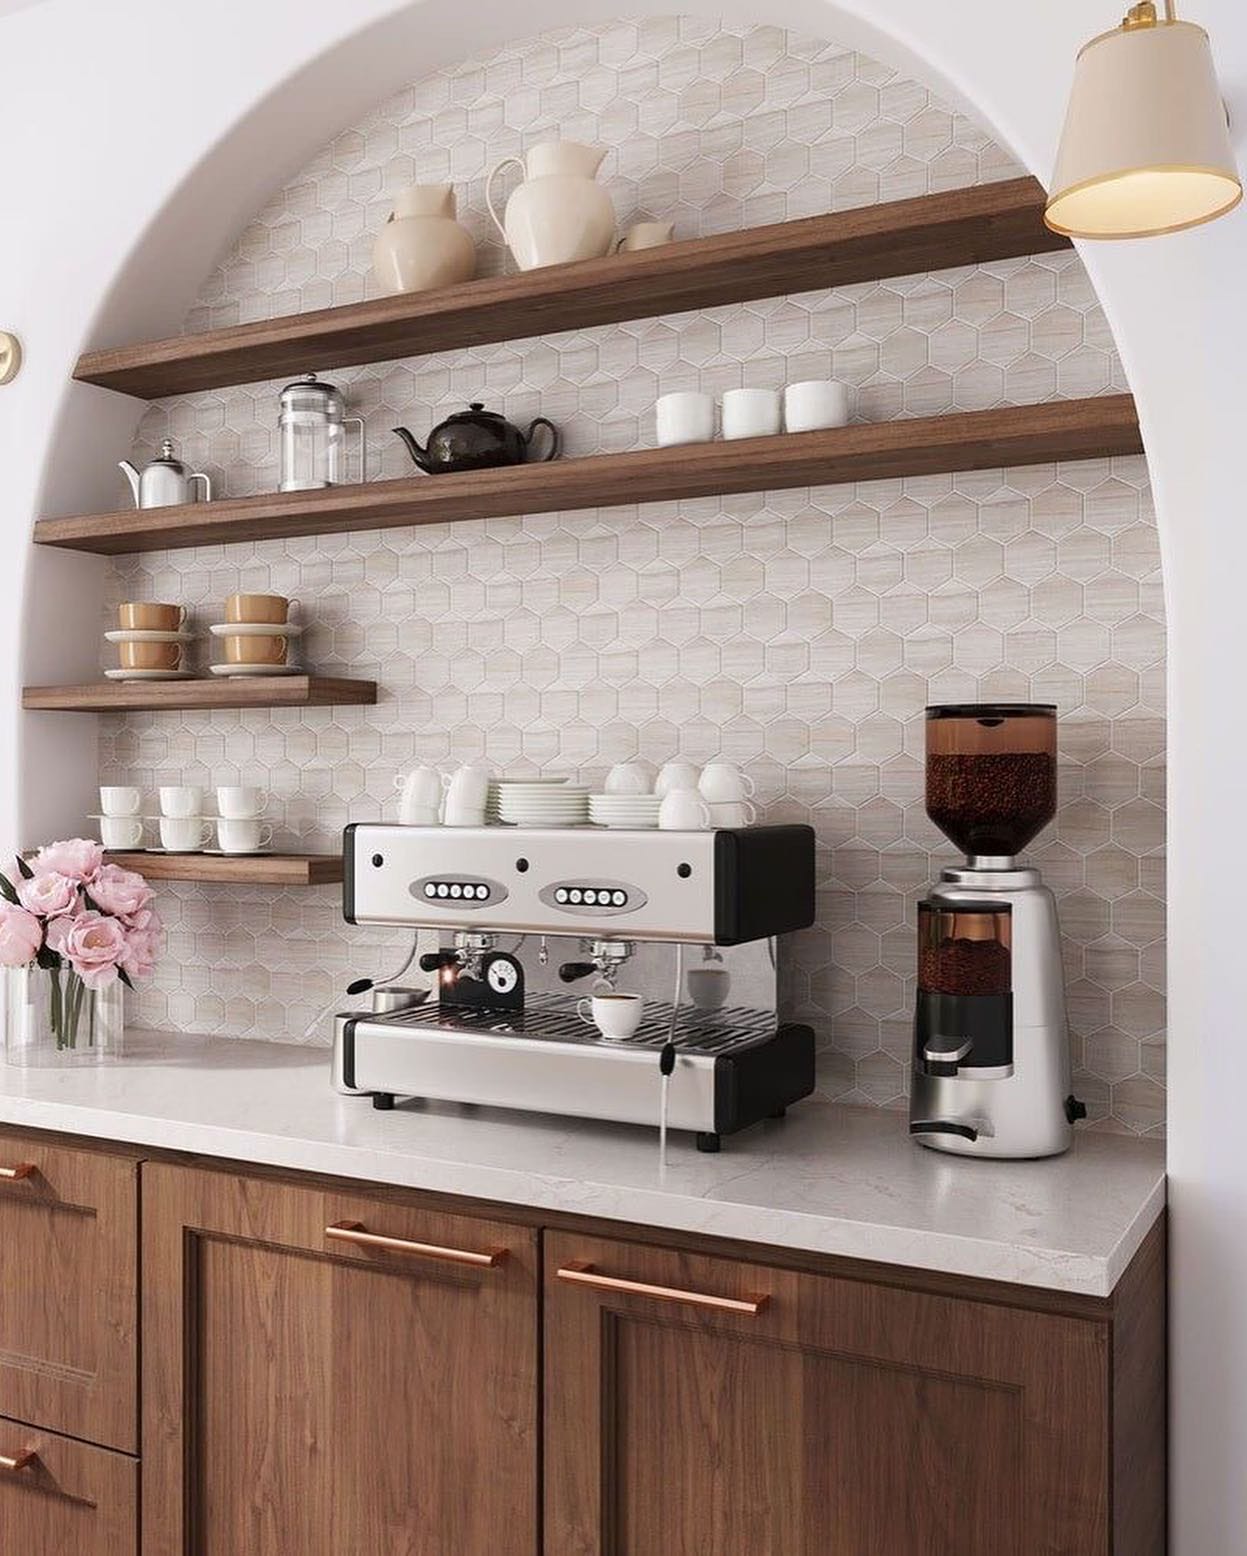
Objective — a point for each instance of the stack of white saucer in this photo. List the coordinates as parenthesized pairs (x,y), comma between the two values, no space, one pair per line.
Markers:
(624,810)
(537,804)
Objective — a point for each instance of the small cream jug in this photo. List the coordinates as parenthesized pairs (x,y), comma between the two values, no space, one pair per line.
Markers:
(422,245)
(559,213)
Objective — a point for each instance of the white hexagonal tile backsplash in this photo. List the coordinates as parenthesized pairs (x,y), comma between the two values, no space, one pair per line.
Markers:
(799,632)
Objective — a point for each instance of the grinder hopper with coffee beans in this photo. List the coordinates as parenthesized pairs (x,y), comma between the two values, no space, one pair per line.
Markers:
(991,1046)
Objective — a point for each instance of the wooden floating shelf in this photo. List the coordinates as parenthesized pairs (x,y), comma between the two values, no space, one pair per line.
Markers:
(968,440)
(261,691)
(236,870)
(902,237)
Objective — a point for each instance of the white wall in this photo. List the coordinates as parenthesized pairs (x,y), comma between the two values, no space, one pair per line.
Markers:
(100,244)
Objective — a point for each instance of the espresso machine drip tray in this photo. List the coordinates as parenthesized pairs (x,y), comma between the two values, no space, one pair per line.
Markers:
(733,1065)
(552,1018)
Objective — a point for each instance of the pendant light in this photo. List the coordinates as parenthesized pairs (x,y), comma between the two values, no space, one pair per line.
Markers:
(1146,144)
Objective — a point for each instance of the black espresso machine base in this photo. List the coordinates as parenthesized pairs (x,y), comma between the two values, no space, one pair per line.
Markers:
(730,1071)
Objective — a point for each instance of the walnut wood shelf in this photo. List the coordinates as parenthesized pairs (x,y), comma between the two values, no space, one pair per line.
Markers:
(261,691)
(968,440)
(238,870)
(902,237)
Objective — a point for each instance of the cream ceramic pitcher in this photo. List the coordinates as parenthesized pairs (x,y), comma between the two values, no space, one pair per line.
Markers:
(421,244)
(559,213)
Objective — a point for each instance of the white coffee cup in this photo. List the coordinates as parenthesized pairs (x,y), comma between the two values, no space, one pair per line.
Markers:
(120,801)
(468,786)
(645,235)
(683,810)
(121,831)
(422,817)
(750,413)
(616,1016)
(241,802)
(181,799)
(242,837)
(733,813)
(708,985)
(457,813)
(675,775)
(686,416)
(814,403)
(630,778)
(721,782)
(421,790)
(186,834)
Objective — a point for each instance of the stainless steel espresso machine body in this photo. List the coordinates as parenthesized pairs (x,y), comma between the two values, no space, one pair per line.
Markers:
(606,908)
(991,1069)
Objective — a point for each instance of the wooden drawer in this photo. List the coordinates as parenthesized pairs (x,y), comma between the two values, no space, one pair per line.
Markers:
(68,1276)
(67,1499)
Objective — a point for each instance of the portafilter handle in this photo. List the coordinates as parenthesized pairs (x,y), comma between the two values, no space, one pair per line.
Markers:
(434,961)
(572,972)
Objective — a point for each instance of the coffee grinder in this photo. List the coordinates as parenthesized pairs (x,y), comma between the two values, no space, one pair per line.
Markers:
(991,1069)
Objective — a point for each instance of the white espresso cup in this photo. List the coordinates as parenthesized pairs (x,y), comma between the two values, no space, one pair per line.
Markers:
(750,413)
(242,837)
(241,802)
(686,416)
(814,403)
(120,801)
(185,834)
(421,789)
(121,831)
(181,799)
(615,1015)
(675,775)
(683,810)
(721,782)
(708,985)
(468,786)
(630,778)
(645,235)
(733,813)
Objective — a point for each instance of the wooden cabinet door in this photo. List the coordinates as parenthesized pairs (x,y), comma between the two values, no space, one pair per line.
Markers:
(309,1390)
(64,1498)
(68,1290)
(704,1407)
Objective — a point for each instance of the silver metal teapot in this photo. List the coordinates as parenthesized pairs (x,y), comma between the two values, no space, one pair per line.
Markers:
(166,482)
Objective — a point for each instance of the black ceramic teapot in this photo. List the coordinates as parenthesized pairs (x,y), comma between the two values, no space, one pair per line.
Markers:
(477,439)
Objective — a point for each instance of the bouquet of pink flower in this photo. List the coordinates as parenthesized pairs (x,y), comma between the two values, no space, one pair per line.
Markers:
(86,923)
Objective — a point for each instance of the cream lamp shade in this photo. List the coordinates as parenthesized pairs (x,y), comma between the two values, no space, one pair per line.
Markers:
(1146,144)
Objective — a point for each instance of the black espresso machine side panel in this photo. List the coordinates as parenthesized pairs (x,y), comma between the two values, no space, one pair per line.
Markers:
(725,887)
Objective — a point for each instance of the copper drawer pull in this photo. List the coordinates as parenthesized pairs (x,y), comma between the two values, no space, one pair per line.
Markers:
(18,1461)
(13,1174)
(354,1232)
(585,1275)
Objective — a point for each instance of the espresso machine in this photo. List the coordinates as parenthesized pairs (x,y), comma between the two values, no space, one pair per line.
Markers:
(527,921)
(991,1068)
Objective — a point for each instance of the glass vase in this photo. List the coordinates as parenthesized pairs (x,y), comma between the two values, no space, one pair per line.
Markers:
(51,1018)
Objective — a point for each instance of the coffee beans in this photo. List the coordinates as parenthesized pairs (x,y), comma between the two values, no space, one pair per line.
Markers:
(965,967)
(991,803)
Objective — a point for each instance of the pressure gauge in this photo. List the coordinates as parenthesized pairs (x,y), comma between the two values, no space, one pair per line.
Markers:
(502,975)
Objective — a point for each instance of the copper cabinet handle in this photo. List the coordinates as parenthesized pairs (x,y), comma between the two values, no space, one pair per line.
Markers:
(13,1174)
(579,1274)
(18,1461)
(355,1232)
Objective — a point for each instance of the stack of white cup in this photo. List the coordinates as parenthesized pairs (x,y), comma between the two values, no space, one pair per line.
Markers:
(727,793)
(420,797)
(467,793)
(240,828)
(121,816)
(183,827)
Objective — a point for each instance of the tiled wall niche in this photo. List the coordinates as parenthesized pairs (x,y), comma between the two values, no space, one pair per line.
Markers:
(799,632)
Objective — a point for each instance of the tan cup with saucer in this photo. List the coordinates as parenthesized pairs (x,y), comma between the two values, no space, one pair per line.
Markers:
(257,649)
(150,616)
(271,609)
(150,656)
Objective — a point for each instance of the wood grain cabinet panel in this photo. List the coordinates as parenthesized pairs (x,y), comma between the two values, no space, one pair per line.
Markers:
(732,1409)
(64,1498)
(68,1290)
(369,1391)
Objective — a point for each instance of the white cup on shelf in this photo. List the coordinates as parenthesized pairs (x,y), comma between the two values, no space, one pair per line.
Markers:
(675,775)
(181,800)
(121,831)
(184,834)
(120,800)
(240,802)
(630,778)
(751,413)
(733,813)
(421,792)
(686,416)
(683,810)
(721,782)
(467,787)
(242,837)
(815,402)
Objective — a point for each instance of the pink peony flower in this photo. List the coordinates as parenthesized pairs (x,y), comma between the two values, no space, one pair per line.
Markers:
(21,935)
(121,893)
(48,894)
(76,857)
(143,946)
(58,929)
(95,946)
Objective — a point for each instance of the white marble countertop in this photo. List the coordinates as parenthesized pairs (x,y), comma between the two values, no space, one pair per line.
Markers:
(826,1179)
